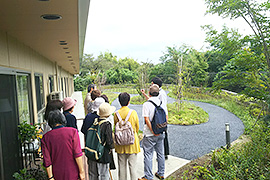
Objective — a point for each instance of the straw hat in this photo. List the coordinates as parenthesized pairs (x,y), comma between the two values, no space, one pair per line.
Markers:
(105,110)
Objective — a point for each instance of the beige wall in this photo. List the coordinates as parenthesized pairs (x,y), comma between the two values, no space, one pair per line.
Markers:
(21,58)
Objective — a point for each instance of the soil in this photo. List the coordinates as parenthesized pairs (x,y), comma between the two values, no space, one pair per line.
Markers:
(205,160)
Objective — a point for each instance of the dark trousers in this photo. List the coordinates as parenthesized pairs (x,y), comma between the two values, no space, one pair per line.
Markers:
(166,144)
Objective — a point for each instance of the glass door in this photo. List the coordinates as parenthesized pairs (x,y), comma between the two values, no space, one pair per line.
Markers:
(24,96)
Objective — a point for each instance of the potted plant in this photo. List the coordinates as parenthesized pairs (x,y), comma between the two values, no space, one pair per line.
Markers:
(27,132)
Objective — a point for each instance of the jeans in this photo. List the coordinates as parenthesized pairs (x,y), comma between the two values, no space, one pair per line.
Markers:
(98,171)
(150,144)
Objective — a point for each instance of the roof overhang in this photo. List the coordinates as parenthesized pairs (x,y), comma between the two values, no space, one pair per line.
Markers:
(58,40)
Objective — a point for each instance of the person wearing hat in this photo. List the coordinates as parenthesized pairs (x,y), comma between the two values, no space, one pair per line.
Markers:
(152,141)
(90,117)
(100,169)
(68,107)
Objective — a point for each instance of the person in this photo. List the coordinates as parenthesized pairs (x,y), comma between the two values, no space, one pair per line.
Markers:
(51,105)
(163,98)
(68,107)
(88,98)
(61,149)
(127,154)
(152,141)
(90,117)
(94,94)
(99,170)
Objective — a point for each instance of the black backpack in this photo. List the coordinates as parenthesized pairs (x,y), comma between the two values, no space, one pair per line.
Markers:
(159,121)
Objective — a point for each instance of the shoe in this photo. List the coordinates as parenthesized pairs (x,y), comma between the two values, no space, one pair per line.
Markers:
(158,176)
(143,178)
(166,157)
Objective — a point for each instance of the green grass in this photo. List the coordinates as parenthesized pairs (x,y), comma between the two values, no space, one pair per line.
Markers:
(186,114)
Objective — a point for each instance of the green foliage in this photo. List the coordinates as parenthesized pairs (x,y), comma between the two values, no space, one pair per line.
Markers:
(137,100)
(189,114)
(251,76)
(30,174)
(27,132)
(249,161)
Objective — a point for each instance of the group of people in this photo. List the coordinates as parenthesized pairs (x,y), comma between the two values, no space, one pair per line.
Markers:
(61,146)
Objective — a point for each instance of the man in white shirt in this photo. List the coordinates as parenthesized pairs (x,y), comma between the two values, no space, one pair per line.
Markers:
(163,98)
(152,141)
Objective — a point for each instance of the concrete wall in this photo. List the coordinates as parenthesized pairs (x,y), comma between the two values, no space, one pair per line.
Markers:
(18,57)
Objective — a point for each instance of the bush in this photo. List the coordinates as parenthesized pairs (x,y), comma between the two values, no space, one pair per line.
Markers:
(30,174)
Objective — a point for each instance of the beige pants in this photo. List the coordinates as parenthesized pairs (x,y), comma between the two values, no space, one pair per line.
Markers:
(125,160)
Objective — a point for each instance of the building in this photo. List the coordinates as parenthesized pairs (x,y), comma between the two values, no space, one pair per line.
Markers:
(41,44)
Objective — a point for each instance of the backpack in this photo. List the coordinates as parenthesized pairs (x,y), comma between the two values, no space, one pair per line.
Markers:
(159,121)
(124,134)
(94,148)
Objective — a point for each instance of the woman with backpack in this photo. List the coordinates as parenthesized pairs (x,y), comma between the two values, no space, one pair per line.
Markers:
(127,154)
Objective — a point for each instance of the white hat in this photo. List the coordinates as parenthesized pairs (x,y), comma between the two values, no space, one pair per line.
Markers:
(105,110)
(95,105)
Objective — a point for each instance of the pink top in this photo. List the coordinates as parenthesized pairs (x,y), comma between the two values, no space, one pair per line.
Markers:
(60,147)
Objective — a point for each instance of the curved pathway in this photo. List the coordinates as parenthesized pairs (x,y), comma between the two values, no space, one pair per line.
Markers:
(191,142)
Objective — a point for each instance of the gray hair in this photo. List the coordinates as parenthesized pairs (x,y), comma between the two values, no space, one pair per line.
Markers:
(56,117)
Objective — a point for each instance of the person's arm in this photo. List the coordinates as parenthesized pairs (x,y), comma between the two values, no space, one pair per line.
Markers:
(144,94)
(79,161)
(49,172)
(148,123)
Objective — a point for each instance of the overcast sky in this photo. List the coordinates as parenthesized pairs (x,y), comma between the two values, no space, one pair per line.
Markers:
(142,29)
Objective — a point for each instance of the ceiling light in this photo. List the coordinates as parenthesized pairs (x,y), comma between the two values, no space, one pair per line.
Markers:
(51,16)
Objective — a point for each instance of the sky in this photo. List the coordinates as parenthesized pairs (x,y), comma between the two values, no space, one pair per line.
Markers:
(142,29)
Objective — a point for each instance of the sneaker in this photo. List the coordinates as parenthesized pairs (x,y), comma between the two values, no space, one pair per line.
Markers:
(143,178)
(158,176)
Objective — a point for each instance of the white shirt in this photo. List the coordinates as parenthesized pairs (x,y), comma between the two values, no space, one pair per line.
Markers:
(163,98)
(148,110)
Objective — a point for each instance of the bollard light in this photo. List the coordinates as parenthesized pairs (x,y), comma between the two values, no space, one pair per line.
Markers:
(228,138)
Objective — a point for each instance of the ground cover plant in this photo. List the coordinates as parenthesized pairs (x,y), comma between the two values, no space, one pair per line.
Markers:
(248,160)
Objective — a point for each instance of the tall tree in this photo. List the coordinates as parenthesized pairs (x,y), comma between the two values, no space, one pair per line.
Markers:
(252,11)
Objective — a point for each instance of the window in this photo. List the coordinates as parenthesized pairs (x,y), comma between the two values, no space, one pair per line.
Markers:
(51,84)
(39,91)
(23,93)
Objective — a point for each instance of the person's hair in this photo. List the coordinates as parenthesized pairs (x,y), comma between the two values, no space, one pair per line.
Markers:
(91,86)
(69,109)
(52,105)
(154,93)
(95,93)
(56,117)
(124,98)
(105,98)
(157,81)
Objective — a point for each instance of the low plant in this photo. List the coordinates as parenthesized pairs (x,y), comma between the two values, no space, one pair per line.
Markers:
(27,132)
(189,114)
(30,174)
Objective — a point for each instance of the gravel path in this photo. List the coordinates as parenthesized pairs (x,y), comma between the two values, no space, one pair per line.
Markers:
(191,142)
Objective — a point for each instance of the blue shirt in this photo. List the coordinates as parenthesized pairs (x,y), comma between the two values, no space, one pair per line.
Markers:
(88,121)
(71,120)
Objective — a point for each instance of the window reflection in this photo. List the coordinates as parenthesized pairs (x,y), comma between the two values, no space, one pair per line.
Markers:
(23,93)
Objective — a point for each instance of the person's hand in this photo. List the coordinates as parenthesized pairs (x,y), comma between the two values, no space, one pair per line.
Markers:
(143,91)
(82,175)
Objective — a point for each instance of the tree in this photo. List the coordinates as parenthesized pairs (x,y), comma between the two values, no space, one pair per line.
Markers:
(254,14)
